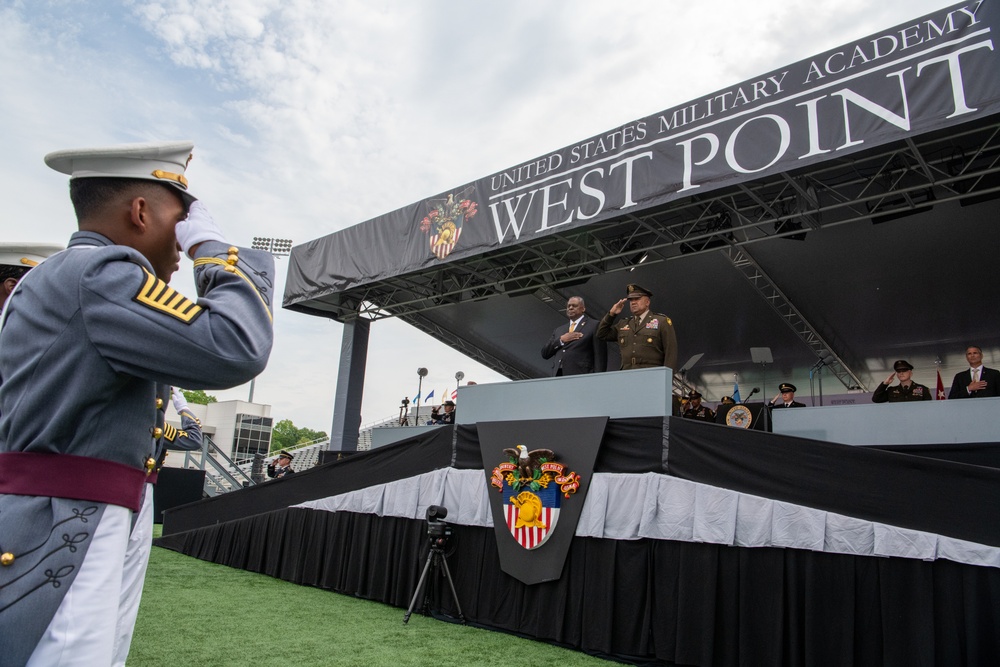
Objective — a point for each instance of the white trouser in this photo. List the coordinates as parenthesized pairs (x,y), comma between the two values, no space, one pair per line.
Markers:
(133,576)
(82,632)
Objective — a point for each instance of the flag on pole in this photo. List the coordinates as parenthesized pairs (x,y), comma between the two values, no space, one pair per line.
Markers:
(736,392)
(417,397)
(940,387)
(454,394)
(429,396)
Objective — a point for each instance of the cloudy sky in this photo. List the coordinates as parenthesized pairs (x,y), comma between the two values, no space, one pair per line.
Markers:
(309,116)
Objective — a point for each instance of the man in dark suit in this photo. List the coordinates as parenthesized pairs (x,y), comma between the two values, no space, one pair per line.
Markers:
(576,348)
(978,381)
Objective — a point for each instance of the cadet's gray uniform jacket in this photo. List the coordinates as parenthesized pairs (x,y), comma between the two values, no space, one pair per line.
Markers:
(91,341)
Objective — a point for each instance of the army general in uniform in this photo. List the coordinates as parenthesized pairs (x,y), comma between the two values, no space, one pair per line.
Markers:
(906,391)
(695,410)
(646,339)
(91,340)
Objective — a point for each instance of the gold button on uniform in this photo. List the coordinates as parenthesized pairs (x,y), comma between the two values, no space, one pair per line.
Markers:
(157,432)
(150,464)
(7,559)
(159,403)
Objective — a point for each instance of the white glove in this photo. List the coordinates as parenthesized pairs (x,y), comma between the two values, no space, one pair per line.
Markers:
(178,398)
(197,227)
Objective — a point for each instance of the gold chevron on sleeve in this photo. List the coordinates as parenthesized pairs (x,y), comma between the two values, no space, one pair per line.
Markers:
(158,295)
(169,432)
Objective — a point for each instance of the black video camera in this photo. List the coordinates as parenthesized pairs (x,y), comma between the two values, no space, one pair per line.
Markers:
(438,531)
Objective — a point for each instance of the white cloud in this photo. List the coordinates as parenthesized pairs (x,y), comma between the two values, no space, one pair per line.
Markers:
(310,116)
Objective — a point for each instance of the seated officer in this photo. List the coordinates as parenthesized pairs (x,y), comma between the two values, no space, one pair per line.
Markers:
(785,398)
(907,390)
(695,410)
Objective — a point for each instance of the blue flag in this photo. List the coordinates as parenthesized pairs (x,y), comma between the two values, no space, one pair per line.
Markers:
(736,392)
(429,396)
(417,397)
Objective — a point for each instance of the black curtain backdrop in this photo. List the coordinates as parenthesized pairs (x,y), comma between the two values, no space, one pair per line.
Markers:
(644,601)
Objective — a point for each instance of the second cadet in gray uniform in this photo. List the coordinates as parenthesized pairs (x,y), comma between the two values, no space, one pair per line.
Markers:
(93,336)
(16,259)
(646,339)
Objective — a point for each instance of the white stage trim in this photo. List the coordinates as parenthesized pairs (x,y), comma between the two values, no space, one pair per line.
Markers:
(660,507)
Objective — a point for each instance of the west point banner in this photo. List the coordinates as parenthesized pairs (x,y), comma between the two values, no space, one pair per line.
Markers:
(939,70)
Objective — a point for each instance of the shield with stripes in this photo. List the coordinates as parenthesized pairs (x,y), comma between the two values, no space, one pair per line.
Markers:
(531,514)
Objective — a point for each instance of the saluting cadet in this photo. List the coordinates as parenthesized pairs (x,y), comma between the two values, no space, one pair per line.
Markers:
(90,342)
(646,339)
(907,390)
(16,259)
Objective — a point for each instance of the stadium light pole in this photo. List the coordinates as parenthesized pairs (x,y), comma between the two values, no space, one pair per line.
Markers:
(278,248)
(421,374)
(458,381)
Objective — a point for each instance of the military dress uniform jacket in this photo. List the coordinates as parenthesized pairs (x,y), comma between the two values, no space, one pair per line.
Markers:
(703,413)
(900,394)
(648,344)
(275,472)
(91,340)
(187,438)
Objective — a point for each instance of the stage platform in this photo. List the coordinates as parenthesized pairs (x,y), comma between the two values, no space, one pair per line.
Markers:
(698,544)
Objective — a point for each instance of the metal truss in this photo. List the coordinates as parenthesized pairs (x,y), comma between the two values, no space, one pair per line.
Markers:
(791,316)
(960,163)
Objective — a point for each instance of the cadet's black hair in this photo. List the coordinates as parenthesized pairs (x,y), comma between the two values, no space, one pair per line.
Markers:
(91,195)
(7,271)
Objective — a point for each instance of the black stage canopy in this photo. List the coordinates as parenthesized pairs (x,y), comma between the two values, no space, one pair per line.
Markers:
(841,210)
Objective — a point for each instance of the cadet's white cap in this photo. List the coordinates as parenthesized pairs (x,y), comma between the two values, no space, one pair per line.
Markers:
(26,255)
(163,161)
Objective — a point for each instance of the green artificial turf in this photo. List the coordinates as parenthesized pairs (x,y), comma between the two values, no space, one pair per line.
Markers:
(199,613)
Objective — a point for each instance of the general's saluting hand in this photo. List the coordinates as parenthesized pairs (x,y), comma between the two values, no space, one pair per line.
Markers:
(617,308)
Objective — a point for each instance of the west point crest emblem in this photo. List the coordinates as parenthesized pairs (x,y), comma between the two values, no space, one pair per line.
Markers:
(533,485)
(444,223)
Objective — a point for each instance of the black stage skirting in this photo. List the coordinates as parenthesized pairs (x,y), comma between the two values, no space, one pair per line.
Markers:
(660,601)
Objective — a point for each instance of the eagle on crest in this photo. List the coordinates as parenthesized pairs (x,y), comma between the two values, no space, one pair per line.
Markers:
(528,462)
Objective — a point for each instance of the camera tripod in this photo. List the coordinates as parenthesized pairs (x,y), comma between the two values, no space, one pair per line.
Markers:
(435,558)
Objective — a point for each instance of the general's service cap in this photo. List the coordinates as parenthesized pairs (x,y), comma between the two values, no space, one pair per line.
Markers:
(451,403)
(693,395)
(163,161)
(787,386)
(26,255)
(282,453)
(635,291)
(902,365)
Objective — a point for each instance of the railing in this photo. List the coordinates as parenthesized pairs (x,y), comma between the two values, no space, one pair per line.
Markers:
(217,473)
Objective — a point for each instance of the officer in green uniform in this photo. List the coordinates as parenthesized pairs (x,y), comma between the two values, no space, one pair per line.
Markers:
(696,410)
(907,390)
(646,339)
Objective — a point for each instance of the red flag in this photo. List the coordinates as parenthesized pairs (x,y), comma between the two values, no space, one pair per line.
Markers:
(940,387)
